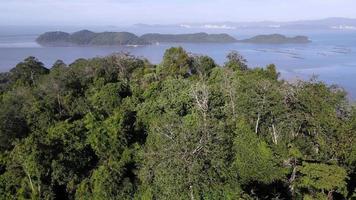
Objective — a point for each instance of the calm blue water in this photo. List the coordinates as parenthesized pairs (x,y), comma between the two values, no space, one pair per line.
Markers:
(331,55)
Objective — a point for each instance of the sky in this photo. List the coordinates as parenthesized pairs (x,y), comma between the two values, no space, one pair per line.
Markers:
(126,12)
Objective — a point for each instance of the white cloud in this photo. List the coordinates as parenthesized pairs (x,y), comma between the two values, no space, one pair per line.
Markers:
(213,26)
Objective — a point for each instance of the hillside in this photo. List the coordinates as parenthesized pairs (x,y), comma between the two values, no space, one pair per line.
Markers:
(276,39)
(117,38)
(54,38)
(82,37)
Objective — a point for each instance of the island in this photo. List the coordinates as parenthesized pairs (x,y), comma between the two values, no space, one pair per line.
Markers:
(189,38)
(89,38)
(276,39)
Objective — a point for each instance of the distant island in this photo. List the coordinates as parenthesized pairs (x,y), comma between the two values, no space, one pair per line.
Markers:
(276,39)
(189,38)
(89,38)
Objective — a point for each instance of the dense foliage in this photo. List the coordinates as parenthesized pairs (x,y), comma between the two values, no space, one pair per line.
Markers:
(121,128)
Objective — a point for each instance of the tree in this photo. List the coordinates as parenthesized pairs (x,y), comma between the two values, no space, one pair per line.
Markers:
(59,64)
(28,72)
(254,160)
(176,62)
(107,97)
(4,82)
(236,61)
(13,124)
(184,146)
(110,181)
(203,65)
(322,178)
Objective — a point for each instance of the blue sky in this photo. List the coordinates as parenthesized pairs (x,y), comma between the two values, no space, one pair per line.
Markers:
(125,12)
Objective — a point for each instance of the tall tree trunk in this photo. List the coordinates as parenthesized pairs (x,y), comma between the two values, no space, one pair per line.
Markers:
(257,122)
(330,195)
(59,104)
(30,180)
(274,135)
(291,180)
(32,77)
(228,86)
(191,193)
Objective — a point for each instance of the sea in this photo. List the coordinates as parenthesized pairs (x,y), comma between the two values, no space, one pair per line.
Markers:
(331,56)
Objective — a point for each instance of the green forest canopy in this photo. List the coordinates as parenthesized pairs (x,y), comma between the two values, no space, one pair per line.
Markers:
(120,127)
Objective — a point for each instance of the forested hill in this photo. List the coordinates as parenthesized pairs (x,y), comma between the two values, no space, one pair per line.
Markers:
(119,127)
(86,37)
(90,38)
(276,39)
